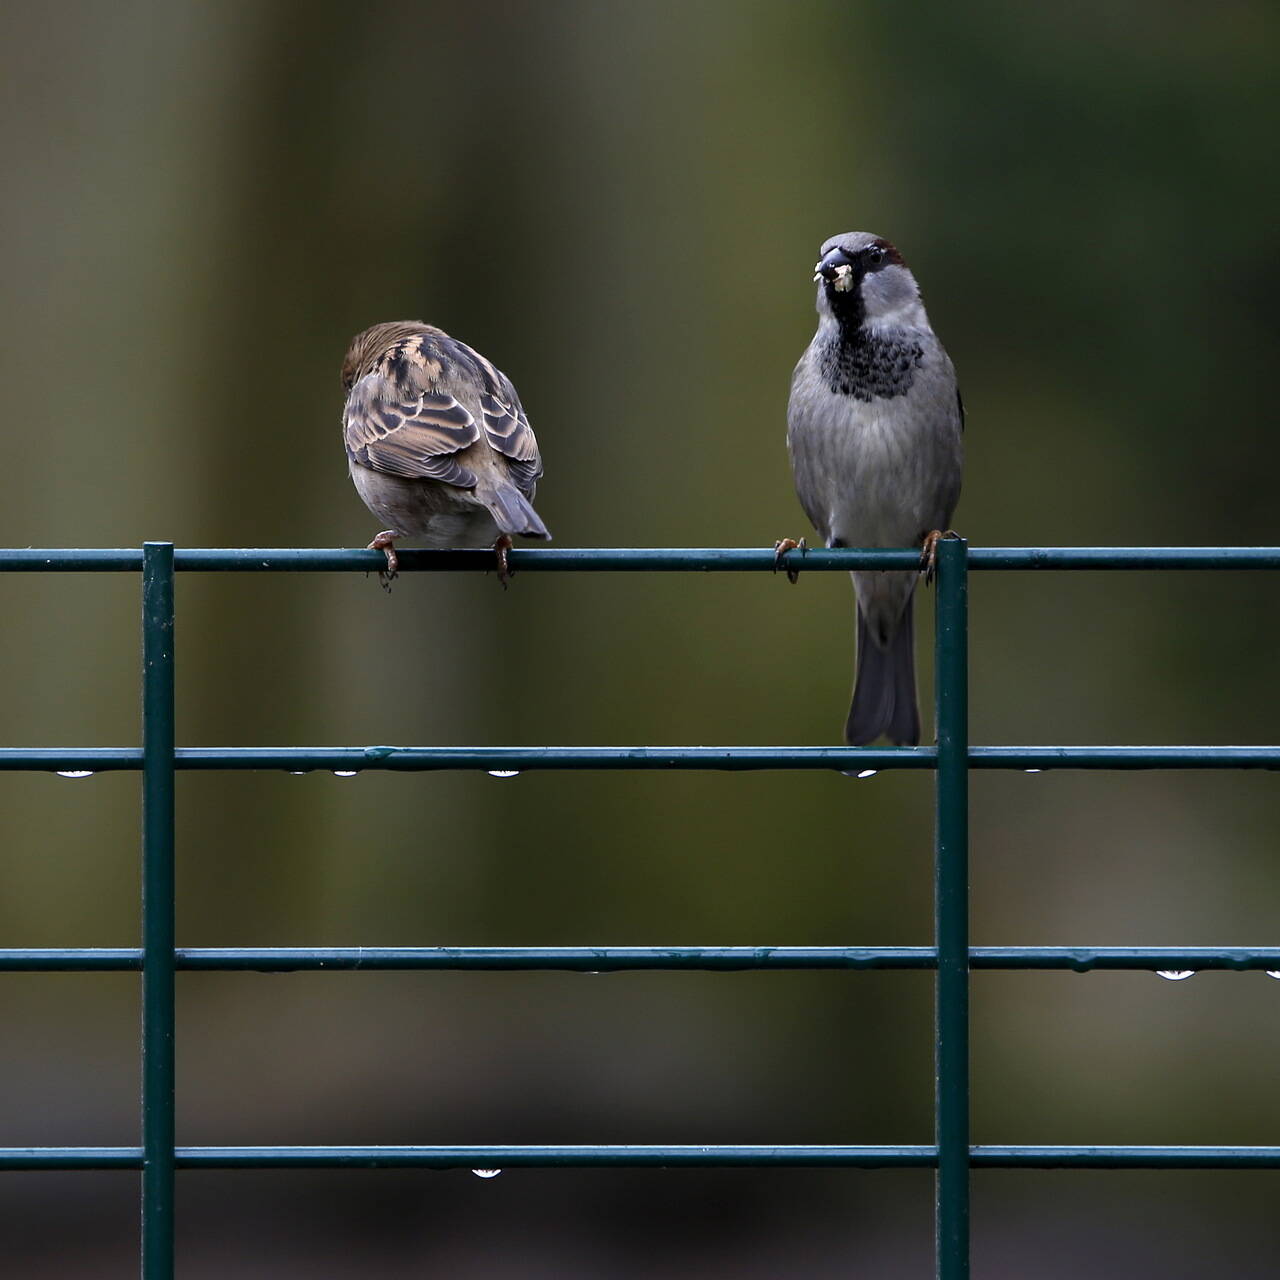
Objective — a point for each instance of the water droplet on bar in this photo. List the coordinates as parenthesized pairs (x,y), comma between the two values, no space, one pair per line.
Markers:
(867,773)
(297,773)
(1272,973)
(344,773)
(75,773)
(486,1173)
(503,773)
(1175,975)
(1033,771)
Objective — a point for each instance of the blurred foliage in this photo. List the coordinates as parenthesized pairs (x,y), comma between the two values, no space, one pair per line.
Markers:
(619,204)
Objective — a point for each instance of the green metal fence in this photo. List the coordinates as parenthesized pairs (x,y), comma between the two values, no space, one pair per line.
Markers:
(950,955)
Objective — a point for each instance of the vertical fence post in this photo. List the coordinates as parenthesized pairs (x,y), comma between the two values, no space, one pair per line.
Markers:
(157,911)
(951,906)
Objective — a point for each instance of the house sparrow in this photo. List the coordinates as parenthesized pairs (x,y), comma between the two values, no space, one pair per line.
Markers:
(437,443)
(874,432)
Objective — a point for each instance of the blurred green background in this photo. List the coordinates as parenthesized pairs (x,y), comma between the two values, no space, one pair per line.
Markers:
(619,203)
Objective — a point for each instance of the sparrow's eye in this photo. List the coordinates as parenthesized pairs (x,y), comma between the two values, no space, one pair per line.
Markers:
(875,256)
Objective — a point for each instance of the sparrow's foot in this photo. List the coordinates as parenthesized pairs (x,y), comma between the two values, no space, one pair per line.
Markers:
(500,549)
(929,552)
(385,541)
(780,549)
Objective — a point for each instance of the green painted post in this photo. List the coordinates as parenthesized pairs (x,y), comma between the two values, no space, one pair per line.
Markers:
(157,912)
(951,905)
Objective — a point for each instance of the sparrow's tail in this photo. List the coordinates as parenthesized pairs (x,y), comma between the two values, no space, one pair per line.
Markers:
(514,513)
(884,691)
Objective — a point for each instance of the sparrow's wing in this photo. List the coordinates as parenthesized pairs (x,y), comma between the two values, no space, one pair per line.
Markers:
(506,427)
(395,422)
(809,412)
(508,431)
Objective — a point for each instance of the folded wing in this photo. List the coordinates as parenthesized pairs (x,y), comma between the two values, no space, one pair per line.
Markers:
(396,422)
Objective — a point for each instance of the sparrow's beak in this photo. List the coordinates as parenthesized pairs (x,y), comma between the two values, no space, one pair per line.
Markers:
(836,270)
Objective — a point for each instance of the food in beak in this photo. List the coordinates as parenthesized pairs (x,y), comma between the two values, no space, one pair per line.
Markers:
(841,277)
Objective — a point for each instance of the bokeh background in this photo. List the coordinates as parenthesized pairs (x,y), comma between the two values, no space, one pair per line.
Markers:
(619,202)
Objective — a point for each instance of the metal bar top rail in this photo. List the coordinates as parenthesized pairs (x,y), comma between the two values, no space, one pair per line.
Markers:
(951,957)
(624,559)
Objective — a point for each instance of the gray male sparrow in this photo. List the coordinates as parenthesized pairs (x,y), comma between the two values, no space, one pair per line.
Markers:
(874,429)
(438,444)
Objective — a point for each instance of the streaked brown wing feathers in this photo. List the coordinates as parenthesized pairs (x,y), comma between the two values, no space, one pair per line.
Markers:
(509,432)
(409,435)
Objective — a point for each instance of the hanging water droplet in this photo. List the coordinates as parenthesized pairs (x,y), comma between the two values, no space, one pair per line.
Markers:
(1272,973)
(867,773)
(486,1173)
(75,773)
(344,773)
(503,773)
(1175,975)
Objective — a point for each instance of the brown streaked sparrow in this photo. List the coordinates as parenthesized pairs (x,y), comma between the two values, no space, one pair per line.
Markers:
(438,445)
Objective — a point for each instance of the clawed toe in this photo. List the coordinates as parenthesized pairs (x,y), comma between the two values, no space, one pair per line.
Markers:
(500,549)
(780,549)
(385,542)
(929,552)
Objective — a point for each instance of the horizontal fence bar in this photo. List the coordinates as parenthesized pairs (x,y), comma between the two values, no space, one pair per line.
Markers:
(665,1157)
(413,759)
(633,959)
(1135,757)
(1116,1157)
(71,560)
(730,759)
(1124,558)
(1085,959)
(629,559)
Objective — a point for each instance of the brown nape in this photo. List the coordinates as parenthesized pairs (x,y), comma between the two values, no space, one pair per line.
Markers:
(368,345)
(890,250)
